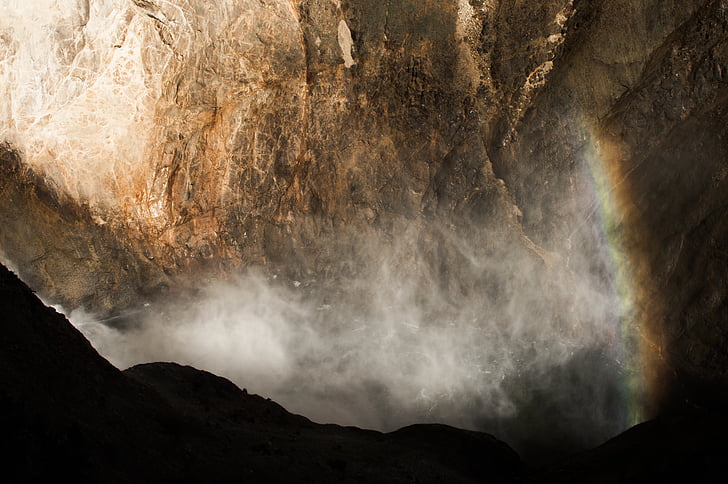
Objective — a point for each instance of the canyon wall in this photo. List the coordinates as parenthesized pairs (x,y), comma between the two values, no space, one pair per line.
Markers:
(469,145)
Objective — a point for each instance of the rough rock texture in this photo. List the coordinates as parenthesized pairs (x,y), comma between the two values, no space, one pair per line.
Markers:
(173,141)
(672,128)
(66,413)
(641,85)
(291,135)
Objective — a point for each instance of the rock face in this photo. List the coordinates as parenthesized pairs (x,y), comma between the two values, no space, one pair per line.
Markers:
(679,184)
(282,134)
(151,145)
(654,111)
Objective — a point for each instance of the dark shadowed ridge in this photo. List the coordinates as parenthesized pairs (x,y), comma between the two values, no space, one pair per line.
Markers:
(692,447)
(68,413)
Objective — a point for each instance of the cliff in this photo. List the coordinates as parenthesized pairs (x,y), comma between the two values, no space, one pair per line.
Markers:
(561,163)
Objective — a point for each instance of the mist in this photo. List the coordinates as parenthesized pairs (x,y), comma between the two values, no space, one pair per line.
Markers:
(538,358)
(478,330)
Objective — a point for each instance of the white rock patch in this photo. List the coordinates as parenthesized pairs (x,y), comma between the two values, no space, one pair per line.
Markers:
(346,42)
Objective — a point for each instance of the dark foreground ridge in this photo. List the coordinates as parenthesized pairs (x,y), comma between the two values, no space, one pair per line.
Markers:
(67,412)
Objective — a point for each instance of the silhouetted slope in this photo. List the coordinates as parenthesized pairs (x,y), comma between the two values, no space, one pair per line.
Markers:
(687,448)
(67,413)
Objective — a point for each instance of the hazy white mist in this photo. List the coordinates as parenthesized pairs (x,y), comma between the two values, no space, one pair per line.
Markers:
(392,348)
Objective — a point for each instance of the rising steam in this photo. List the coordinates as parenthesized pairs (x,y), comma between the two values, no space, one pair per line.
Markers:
(391,347)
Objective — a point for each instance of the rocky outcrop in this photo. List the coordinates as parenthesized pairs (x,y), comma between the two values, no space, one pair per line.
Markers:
(68,411)
(291,136)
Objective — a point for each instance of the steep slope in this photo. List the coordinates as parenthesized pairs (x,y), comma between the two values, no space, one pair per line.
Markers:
(67,413)
(685,448)
(678,175)
(338,147)
(66,410)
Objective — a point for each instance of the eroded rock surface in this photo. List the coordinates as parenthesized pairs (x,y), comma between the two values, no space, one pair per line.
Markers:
(275,133)
(152,145)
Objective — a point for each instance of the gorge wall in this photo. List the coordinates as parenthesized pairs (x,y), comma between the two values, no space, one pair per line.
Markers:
(550,173)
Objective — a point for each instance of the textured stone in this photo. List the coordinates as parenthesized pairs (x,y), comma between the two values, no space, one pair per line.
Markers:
(153,145)
(259,133)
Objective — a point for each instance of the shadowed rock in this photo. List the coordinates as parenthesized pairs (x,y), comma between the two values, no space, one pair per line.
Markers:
(67,413)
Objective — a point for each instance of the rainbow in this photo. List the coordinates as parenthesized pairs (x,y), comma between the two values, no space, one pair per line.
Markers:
(641,349)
